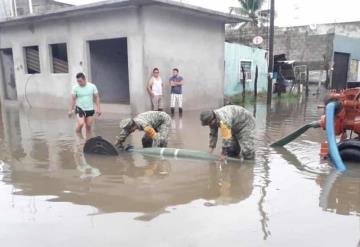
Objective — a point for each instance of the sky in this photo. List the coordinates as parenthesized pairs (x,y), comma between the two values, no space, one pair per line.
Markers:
(288,12)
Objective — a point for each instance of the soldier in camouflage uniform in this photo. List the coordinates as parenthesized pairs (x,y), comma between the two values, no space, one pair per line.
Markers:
(156,126)
(237,126)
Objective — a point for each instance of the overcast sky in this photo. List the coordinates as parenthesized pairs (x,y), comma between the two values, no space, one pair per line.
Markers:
(289,12)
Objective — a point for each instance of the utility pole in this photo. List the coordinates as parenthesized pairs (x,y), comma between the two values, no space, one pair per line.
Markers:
(271,51)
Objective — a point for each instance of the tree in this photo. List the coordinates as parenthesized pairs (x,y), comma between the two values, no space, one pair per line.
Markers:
(252,10)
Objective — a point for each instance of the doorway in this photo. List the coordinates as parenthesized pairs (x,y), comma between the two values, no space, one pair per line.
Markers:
(340,72)
(8,74)
(109,69)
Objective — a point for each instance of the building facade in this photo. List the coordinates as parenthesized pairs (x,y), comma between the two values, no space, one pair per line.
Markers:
(116,44)
(330,51)
(238,56)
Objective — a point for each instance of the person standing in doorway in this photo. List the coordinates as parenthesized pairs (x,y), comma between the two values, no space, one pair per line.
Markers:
(176,83)
(83,96)
(155,90)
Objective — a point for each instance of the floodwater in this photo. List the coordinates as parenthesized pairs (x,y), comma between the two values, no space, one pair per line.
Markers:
(53,195)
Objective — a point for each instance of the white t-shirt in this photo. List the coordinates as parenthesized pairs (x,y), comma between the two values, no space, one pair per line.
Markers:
(157,86)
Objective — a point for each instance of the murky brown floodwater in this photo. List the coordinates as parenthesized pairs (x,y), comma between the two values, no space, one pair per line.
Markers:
(51,195)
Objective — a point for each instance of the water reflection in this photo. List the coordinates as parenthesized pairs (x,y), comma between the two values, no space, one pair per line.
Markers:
(42,157)
(53,164)
(340,193)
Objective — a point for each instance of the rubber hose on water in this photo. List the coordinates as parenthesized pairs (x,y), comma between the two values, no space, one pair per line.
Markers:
(180,153)
(331,137)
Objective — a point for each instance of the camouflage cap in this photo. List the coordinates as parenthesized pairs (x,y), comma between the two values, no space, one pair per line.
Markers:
(126,123)
(206,117)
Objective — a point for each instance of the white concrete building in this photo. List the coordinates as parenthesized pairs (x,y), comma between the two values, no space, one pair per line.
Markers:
(116,44)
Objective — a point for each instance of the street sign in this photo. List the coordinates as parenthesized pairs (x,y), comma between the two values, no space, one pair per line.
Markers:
(258,40)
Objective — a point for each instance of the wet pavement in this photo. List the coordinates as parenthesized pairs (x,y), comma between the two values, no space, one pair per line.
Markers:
(53,195)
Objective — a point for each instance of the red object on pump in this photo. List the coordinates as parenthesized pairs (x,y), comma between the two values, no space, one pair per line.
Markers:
(348,115)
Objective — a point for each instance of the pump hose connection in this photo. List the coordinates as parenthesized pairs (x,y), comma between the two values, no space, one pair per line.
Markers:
(331,137)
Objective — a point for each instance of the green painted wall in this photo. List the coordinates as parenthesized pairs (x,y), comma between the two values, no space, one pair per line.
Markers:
(234,54)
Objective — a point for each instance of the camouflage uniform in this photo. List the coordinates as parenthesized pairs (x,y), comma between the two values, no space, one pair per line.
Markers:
(237,126)
(156,126)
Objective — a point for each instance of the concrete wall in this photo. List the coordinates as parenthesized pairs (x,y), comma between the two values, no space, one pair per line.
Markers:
(349,29)
(53,90)
(347,45)
(245,34)
(194,45)
(234,54)
(157,36)
(351,46)
(297,44)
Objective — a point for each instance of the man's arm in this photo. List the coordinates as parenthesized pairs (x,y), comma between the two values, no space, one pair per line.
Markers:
(162,83)
(213,139)
(172,82)
(149,87)
(122,137)
(72,105)
(181,82)
(97,103)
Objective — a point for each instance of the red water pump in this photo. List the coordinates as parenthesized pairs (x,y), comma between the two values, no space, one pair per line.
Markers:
(348,113)
(346,118)
(342,114)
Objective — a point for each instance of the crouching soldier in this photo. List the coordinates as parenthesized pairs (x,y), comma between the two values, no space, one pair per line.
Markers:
(156,126)
(237,127)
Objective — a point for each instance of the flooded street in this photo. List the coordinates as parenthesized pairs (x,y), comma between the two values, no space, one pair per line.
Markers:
(53,195)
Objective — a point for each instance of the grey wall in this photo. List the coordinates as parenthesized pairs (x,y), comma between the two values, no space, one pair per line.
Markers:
(347,45)
(109,69)
(300,44)
(194,45)
(53,90)
(157,37)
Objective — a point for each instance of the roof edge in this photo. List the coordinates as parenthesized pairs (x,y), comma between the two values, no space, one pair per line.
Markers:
(111,4)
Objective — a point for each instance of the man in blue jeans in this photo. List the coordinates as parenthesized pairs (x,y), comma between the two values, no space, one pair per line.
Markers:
(176,83)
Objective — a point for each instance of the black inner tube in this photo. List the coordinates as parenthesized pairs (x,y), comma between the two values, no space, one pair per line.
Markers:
(100,146)
(350,150)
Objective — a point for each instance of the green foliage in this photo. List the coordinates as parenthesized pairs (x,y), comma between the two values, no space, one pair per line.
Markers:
(251,8)
(290,96)
(238,99)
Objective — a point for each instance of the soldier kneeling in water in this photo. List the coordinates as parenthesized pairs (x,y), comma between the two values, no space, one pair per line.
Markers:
(237,126)
(156,126)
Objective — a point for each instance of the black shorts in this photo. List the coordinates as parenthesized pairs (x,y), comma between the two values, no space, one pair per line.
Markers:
(81,113)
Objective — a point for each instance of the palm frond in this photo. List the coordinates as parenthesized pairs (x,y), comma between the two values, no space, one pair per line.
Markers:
(251,5)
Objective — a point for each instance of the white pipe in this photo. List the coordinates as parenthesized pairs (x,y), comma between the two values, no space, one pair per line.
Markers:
(30,7)
(15,7)
(11,8)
